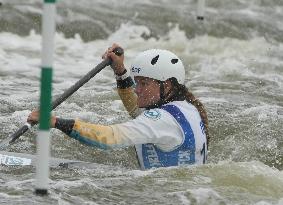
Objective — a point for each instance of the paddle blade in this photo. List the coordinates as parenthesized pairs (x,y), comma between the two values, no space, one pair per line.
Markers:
(4,143)
(9,140)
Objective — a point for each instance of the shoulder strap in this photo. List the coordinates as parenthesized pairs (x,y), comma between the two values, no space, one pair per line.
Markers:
(183,122)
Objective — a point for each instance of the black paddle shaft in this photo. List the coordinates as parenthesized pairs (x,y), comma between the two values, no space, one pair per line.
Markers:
(118,51)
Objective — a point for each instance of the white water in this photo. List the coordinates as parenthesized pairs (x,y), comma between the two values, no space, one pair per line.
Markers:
(238,79)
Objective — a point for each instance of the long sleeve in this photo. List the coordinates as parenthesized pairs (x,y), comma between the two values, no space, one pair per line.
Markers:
(100,136)
(129,99)
(161,130)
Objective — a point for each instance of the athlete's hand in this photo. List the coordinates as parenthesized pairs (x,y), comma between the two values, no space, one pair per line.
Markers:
(117,61)
(33,118)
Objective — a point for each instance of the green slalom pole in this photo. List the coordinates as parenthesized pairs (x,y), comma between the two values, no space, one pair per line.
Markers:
(43,135)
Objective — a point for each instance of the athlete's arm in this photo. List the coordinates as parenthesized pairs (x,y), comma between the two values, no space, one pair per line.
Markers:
(125,86)
(124,81)
(161,131)
(87,133)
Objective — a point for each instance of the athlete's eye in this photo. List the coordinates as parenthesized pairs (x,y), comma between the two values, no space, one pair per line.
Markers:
(143,83)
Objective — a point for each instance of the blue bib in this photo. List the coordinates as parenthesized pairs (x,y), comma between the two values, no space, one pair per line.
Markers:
(184,154)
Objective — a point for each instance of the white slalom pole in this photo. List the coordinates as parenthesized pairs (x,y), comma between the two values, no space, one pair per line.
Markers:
(200,9)
(43,135)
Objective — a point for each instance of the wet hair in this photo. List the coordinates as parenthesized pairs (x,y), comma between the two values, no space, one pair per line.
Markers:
(179,93)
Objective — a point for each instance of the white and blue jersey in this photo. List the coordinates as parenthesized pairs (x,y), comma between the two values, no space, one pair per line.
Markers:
(188,137)
(172,135)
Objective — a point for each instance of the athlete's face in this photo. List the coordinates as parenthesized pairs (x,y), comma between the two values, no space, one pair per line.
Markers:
(147,90)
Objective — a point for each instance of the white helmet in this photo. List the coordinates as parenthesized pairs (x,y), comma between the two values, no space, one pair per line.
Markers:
(158,64)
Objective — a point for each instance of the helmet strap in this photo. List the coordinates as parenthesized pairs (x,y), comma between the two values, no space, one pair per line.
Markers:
(162,91)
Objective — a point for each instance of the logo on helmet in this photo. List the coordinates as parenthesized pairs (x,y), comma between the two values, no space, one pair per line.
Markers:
(136,70)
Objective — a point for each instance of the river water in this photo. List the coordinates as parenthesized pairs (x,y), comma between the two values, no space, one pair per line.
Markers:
(234,64)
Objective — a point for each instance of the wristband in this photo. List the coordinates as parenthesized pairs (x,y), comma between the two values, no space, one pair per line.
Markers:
(123,76)
(65,125)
